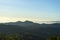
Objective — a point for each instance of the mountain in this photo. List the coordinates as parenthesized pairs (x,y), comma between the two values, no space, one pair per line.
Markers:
(32,27)
(40,31)
(28,24)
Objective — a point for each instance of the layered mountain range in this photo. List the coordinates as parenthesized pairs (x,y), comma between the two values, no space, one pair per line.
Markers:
(28,27)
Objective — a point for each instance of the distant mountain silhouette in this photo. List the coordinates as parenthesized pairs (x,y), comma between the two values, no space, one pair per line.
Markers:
(28,27)
(28,24)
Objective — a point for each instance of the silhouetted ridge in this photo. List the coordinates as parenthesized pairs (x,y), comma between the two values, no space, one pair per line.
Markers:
(28,21)
(39,31)
(18,21)
(24,24)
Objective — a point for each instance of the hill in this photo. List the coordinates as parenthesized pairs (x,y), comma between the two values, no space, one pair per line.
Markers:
(29,28)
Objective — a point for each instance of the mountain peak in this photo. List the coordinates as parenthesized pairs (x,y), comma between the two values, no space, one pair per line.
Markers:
(28,21)
(18,21)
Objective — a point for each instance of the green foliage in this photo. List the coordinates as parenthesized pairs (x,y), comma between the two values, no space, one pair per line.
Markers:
(10,37)
(54,38)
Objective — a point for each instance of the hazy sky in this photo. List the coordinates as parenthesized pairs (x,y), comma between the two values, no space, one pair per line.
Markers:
(35,10)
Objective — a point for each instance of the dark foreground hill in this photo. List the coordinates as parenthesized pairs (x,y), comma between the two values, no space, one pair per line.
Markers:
(28,28)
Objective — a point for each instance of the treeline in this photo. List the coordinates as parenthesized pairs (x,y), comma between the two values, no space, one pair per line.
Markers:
(10,36)
(17,36)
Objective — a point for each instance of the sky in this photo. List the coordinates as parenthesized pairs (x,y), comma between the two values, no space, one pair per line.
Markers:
(33,10)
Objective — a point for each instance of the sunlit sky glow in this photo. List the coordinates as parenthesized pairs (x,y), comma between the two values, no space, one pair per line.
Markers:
(34,10)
